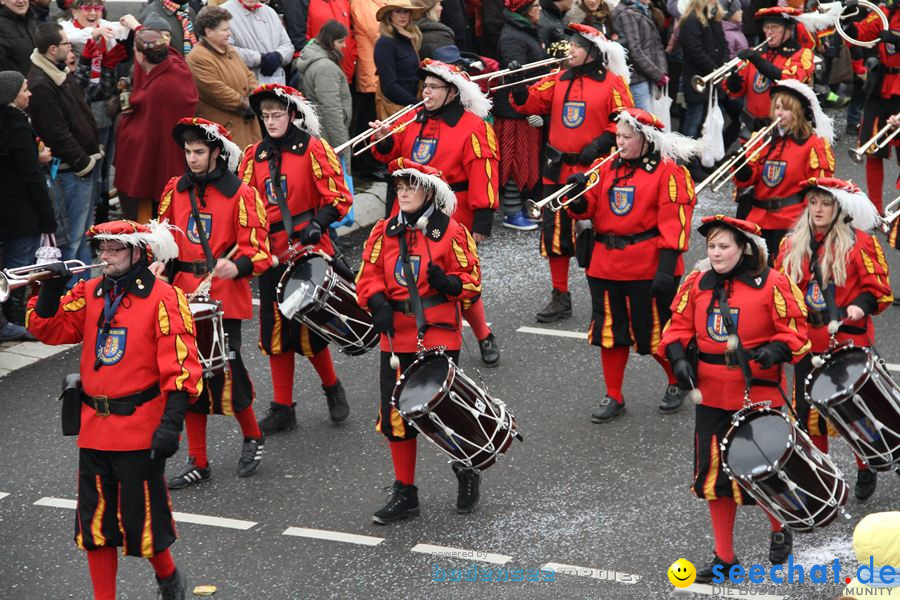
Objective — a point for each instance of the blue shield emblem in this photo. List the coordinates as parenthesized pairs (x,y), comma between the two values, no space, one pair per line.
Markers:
(423,150)
(113,349)
(398,269)
(270,191)
(761,83)
(815,299)
(192,234)
(773,172)
(573,113)
(621,200)
(715,324)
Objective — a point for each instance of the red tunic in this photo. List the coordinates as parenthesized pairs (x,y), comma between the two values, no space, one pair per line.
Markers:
(312,177)
(462,146)
(867,272)
(232,213)
(781,171)
(794,61)
(658,194)
(151,342)
(451,247)
(768,308)
(868,30)
(579,108)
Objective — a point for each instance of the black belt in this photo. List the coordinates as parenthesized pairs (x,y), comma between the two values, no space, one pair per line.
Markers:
(462,186)
(303,217)
(620,242)
(405,307)
(554,156)
(778,203)
(197,267)
(892,70)
(124,405)
(722,359)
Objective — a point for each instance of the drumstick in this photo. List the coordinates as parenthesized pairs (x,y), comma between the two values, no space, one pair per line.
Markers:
(209,276)
(395,360)
(422,225)
(695,394)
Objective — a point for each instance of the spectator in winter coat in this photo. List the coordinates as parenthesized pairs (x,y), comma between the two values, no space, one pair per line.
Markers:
(397,56)
(595,13)
(305,18)
(434,33)
(17,27)
(551,29)
(260,39)
(180,17)
(646,53)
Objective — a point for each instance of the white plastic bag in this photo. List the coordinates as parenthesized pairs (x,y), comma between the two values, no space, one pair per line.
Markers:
(713,127)
(47,252)
(661,104)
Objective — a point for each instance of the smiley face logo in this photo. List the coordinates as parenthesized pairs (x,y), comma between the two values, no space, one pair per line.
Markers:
(682,573)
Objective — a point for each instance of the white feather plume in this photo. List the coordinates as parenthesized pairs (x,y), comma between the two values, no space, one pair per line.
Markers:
(309,117)
(159,239)
(231,152)
(444,198)
(857,206)
(470,94)
(823,125)
(671,145)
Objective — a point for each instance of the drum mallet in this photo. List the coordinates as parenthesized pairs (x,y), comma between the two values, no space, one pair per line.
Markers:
(422,225)
(395,360)
(695,394)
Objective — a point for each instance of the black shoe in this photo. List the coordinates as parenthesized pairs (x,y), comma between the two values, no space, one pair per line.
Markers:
(403,502)
(705,575)
(608,410)
(189,475)
(251,456)
(174,587)
(278,418)
(559,307)
(671,402)
(490,351)
(865,484)
(468,492)
(336,397)
(780,546)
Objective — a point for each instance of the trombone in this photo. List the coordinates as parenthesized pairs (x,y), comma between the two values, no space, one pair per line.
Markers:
(718,75)
(887,221)
(836,10)
(18,277)
(759,140)
(555,200)
(362,137)
(878,141)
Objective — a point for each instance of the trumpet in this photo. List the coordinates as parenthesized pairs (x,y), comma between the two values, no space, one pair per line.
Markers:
(836,10)
(718,75)
(878,141)
(526,67)
(759,140)
(555,200)
(521,81)
(887,221)
(362,137)
(18,277)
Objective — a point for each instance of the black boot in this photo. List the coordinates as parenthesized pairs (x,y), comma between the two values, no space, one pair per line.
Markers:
(403,502)
(101,210)
(865,484)
(468,492)
(608,410)
(559,307)
(490,351)
(671,402)
(278,418)
(780,546)
(336,397)
(174,587)
(705,575)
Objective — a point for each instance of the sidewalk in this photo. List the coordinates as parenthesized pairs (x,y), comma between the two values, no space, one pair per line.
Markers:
(15,355)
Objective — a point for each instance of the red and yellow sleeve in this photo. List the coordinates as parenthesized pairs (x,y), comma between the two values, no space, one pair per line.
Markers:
(245,170)
(253,230)
(619,97)
(789,316)
(165,200)
(370,278)
(799,66)
(869,28)
(783,248)
(464,262)
(873,270)
(676,200)
(540,97)
(176,347)
(820,162)
(329,177)
(482,167)
(680,327)
(66,326)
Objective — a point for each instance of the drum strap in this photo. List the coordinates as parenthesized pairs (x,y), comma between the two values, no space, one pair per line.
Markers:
(739,351)
(201,232)
(831,307)
(275,177)
(414,299)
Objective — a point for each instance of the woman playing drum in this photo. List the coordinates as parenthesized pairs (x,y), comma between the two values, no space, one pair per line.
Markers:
(846,283)
(416,269)
(737,311)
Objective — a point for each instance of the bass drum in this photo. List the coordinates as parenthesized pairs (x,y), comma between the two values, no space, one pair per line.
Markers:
(775,463)
(854,391)
(448,408)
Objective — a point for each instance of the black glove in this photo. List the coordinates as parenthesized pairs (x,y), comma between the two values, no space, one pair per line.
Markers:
(771,354)
(52,290)
(681,366)
(733,82)
(748,54)
(269,63)
(888,37)
(311,234)
(165,439)
(664,281)
(589,153)
(449,285)
(579,180)
(382,314)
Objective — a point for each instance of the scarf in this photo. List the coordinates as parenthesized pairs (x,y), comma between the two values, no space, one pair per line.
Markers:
(187,27)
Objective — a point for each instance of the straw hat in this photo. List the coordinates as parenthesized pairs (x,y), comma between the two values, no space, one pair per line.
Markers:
(417,10)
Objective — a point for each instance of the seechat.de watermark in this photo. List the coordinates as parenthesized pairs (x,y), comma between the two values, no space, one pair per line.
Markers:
(477,572)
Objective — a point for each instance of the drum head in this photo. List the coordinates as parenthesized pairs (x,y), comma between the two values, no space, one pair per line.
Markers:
(424,379)
(758,443)
(840,375)
(305,274)
(202,308)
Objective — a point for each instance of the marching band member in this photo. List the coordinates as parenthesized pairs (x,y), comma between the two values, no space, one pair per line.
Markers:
(641,207)
(444,264)
(139,371)
(310,196)
(732,295)
(578,102)
(214,211)
(450,134)
(783,58)
(776,174)
(848,282)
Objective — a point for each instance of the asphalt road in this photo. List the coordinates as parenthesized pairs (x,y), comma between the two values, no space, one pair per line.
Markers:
(612,500)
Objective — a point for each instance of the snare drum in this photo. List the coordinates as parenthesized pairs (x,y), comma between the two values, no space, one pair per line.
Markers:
(779,467)
(466,424)
(210,334)
(857,395)
(313,293)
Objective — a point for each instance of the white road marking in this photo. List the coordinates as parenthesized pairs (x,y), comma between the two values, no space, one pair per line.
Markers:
(554,332)
(334,536)
(892,366)
(602,574)
(724,592)
(179,516)
(255,301)
(3,495)
(447,552)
